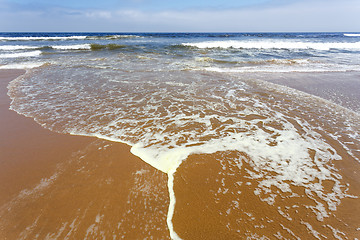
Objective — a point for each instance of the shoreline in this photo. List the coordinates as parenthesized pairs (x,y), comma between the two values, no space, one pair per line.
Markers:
(64,187)
(99,189)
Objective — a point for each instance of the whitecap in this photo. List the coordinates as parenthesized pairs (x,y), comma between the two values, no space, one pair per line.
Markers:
(21,54)
(352,34)
(41,38)
(72,47)
(274,44)
(16,47)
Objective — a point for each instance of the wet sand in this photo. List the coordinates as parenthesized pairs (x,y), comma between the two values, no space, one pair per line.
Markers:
(220,195)
(56,186)
(222,203)
(342,88)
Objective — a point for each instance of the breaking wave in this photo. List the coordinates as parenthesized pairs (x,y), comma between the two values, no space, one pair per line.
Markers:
(16,47)
(58,38)
(55,38)
(21,54)
(352,34)
(267,44)
(106,46)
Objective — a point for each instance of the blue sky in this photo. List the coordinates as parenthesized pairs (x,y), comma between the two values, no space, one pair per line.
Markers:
(180,15)
(144,5)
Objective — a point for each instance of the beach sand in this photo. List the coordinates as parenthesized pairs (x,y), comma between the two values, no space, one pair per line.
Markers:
(56,186)
(223,205)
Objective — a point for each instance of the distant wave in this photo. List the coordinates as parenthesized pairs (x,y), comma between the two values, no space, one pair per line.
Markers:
(21,54)
(352,34)
(72,47)
(57,47)
(62,47)
(16,47)
(42,38)
(106,46)
(58,38)
(113,37)
(273,45)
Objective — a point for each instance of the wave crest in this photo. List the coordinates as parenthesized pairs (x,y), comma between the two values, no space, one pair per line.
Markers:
(352,34)
(62,38)
(42,38)
(106,46)
(21,54)
(273,45)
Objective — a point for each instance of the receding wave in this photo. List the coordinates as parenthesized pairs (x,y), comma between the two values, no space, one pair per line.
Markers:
(209,64)
(214,60)
(273,45)
(259,62)
(21,54)
(283,69)
(26,65)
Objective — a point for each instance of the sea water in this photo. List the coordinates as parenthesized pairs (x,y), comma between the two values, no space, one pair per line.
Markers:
(173,95)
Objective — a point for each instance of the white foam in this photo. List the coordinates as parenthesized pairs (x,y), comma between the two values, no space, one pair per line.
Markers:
(171,209)
(298,167)
(274,44)
(21,54)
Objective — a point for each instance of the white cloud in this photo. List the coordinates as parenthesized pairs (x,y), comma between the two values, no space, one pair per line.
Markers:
(98,14)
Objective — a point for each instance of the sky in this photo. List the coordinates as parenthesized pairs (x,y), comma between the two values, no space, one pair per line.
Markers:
(179,16)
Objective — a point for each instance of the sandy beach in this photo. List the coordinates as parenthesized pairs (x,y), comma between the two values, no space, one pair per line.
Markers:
(56,186)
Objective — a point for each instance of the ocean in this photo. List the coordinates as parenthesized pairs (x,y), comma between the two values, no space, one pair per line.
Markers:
(258,117)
